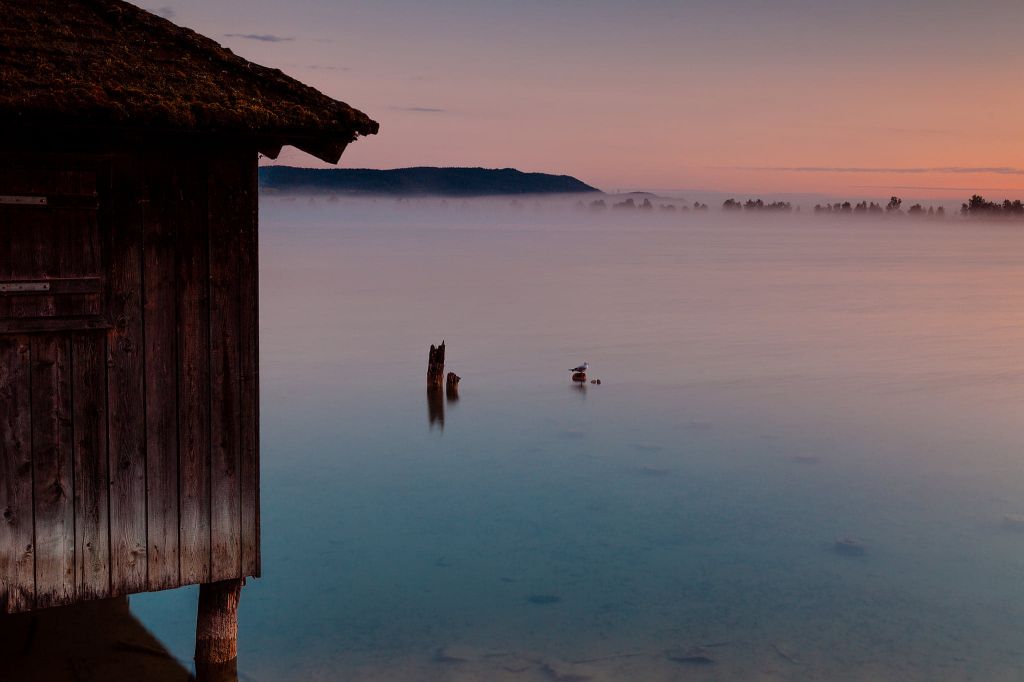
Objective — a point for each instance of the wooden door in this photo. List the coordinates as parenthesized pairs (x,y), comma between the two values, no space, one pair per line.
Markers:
(53,465)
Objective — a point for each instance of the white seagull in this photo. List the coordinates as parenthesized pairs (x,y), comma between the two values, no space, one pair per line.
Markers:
(581,369)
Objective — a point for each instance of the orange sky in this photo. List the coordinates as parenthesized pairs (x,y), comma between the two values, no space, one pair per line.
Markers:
(734,95)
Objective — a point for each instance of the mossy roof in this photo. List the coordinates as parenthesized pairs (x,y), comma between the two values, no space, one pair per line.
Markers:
(110,64)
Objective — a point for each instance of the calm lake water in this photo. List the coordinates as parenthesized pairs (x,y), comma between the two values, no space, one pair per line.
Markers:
(770,386)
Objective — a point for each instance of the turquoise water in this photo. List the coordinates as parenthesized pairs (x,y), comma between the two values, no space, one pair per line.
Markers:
(770,387)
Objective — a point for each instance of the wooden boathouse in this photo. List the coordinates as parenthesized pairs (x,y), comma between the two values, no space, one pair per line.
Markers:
(129,394)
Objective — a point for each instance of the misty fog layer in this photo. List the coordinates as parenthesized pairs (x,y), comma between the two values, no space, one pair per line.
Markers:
(803,461)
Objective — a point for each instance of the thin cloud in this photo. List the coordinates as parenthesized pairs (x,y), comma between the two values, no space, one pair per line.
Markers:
(932,187)
(948,170)
(264,37)
(317,67)
(906,131)
(167,12)
(422,110)
(886,129)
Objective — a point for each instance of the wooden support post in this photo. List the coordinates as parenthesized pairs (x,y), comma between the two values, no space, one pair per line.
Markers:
(435,367)
(217,631)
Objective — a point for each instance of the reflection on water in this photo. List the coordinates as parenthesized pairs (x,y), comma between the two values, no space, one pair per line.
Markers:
(804,461)
(435,407)
(437,397)
(438,401)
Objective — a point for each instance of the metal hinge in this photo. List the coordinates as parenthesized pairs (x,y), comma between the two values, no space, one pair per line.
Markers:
(22,200)
(8,287)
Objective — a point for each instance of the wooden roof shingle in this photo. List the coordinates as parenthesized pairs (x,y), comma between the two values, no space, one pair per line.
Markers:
(110,64)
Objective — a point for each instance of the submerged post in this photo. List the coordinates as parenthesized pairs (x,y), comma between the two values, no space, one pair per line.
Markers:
(435,368)
(451,387)
(217,631)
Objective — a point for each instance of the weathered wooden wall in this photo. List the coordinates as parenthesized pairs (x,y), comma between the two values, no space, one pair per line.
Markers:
(129,391)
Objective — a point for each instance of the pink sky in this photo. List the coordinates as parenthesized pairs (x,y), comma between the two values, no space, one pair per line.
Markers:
(751,96)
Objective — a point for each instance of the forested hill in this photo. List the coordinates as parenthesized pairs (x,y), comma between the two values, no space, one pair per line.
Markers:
(424,181)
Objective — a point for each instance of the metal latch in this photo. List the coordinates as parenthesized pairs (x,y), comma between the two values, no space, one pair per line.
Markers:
(9,287)
(22,200)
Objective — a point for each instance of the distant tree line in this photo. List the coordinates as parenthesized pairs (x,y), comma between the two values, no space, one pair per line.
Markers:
(756,205)
(645,205)
(847,207)
(895,206)
(977,207)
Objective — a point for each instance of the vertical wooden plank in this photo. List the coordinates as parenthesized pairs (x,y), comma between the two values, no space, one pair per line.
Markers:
(248,282)
(32,249)
(92,259)
(52,470)
(194,382)
(75,254)
(17,543)
(92,531)
(225,208)
(126,406)
(161,357)
(64,254)
(7,233)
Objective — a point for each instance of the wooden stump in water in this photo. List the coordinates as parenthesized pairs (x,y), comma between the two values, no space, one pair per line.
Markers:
(217,631)
(451,387)
(435,367)
(580,377)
